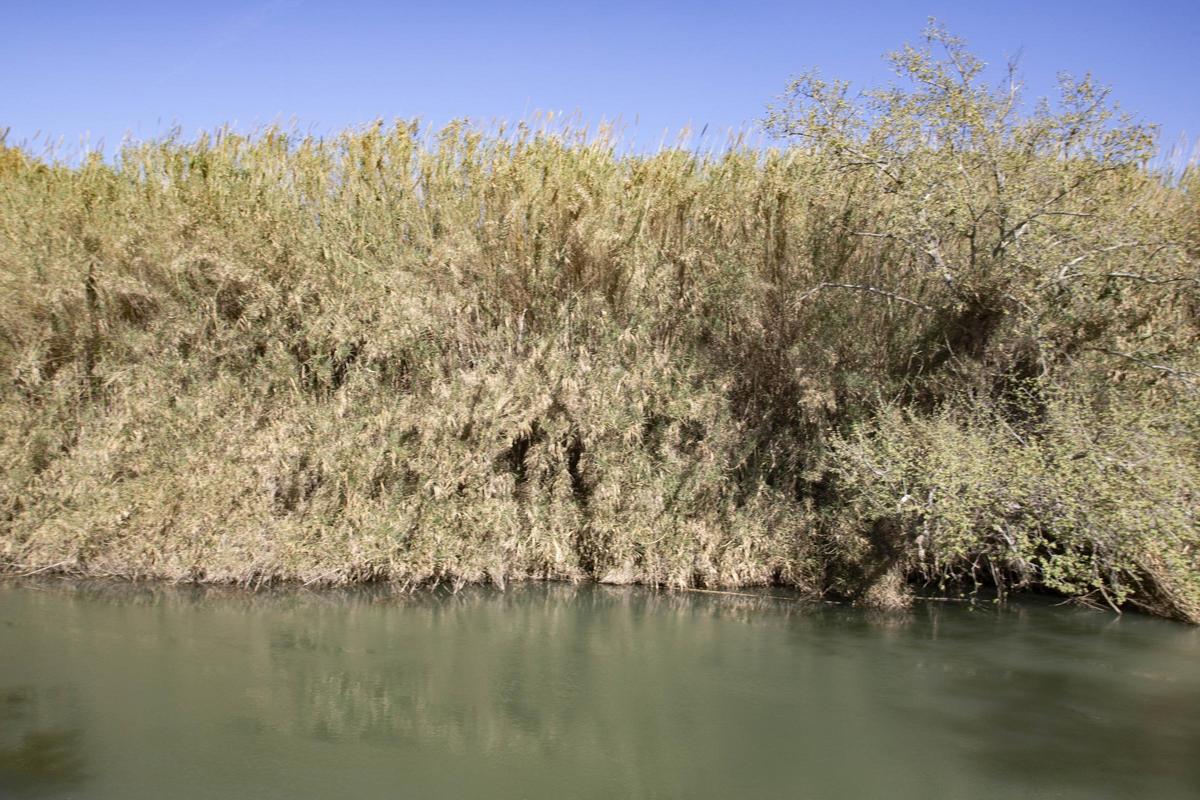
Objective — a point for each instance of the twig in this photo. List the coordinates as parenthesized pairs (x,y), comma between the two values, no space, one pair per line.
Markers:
(864,288)
(1150,280)
(734,594)
(1108,600)
(820,601)
(943,599)
(1182,374)
(320,577)
(43,569)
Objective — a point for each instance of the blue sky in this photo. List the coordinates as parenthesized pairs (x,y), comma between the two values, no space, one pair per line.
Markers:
(95,71)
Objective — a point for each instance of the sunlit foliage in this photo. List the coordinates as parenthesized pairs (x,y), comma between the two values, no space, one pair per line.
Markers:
(936,336)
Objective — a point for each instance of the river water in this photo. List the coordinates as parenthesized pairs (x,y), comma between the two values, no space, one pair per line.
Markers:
(110,691)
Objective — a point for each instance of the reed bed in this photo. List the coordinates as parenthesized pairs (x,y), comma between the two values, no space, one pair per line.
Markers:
(927,342)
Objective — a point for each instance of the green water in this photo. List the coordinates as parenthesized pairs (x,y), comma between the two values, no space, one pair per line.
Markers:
(588,692)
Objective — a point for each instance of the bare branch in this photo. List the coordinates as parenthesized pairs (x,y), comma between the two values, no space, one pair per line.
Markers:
(864,288)
(1150,279)
(1184,375)
(1064,272)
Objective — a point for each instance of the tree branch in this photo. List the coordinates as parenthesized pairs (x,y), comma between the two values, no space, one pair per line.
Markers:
(864,288)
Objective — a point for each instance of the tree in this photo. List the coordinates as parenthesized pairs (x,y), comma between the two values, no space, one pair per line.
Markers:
(1039,221)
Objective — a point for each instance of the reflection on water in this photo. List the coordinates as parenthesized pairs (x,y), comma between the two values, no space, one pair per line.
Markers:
(561,691)
(36,754)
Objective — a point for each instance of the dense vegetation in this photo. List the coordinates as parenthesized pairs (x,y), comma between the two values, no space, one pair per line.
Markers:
(938,337)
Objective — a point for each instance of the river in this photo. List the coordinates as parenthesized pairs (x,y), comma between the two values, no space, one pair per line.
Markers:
(554,691)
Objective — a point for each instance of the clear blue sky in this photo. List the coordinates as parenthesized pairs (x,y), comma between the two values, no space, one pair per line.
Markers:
(100,69)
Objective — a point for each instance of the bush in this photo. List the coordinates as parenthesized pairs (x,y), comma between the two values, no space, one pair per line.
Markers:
(1096,504)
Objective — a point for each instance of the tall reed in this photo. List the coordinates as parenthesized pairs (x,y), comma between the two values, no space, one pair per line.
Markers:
(851,364)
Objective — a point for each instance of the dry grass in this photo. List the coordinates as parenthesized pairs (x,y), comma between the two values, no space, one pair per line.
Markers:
(521,355)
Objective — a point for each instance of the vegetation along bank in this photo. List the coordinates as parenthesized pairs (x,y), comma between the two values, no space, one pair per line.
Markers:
(940,337)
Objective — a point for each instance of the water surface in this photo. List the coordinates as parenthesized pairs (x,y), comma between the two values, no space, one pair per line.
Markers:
(583,692)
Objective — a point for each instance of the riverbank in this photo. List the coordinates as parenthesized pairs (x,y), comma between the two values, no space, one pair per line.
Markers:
(494,357)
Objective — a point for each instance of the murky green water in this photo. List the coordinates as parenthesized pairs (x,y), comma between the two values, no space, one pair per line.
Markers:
(559,692)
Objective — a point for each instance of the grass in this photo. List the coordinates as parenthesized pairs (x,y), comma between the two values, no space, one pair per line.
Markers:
(854,365)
